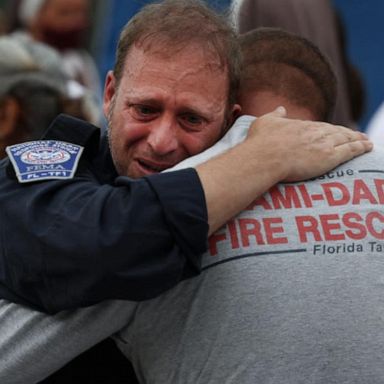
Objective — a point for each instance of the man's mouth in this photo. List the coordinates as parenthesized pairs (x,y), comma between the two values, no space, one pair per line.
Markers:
(152,166)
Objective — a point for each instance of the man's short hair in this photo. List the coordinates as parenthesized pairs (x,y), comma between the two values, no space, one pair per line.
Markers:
(166,27)
(289,65)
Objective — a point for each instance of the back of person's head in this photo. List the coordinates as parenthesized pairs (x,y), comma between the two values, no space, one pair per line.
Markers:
(166,27)
(313,19)
(31,89)
(290,66)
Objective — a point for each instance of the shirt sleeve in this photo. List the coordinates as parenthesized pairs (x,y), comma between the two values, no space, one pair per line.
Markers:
(33,344)
(73,243)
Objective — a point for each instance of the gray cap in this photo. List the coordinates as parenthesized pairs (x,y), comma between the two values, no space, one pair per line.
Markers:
(22,59)
(29,9)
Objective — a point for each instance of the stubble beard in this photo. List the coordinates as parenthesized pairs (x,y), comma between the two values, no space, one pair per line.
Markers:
(120,170)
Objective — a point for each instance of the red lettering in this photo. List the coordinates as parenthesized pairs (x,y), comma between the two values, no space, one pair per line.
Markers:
(352,220)
(362,192)
(260,201)
(307,225)
(271,229)
(250,227)
(374,217)
(379,183)
(330,223)
(305,195)
(336,193)
(288,200)
(233,234)
(213,240)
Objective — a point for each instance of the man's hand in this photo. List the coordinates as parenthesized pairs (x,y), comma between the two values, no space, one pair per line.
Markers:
(276,149)
(304,149)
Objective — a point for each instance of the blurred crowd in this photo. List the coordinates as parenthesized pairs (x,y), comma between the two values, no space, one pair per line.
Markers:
(66,26)
(43,52)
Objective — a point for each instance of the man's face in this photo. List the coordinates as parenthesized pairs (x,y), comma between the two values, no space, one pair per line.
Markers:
(165,109)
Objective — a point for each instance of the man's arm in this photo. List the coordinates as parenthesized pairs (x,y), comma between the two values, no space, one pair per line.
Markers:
(72,243)
(276,149)
(33,345)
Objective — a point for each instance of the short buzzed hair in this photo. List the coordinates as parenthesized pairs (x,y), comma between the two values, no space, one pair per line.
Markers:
(290,66)
(167,26)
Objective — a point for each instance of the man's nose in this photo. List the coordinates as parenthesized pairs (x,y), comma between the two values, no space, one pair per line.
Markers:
(163,136)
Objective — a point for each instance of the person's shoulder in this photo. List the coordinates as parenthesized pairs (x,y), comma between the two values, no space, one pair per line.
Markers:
(374,158)
(94,141)
(375,126)
(377,152)
(73,130)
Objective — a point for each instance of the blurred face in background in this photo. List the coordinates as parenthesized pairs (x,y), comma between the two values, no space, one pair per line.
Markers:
(62,23)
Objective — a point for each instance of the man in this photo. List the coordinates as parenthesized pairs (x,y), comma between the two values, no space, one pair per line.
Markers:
(68,333)
(76,238)
(291,288)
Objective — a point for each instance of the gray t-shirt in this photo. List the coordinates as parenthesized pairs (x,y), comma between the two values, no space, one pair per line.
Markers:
(291,292)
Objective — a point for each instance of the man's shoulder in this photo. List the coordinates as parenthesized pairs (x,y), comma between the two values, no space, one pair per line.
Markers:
(73,130)
(95,143)
(375,157)
(93,155)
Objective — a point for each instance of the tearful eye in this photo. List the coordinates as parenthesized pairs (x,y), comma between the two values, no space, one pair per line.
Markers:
(192,121)
(142,111)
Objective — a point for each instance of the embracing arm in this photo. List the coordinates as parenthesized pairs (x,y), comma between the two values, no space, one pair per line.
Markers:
(276,149)
(73,243)
(33,345)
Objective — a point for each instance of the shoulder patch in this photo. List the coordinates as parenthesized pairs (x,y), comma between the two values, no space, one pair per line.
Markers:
(44,160)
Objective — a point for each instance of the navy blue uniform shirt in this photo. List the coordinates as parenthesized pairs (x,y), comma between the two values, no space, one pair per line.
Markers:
(75,242)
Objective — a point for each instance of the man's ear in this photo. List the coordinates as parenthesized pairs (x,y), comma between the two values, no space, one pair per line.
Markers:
(235,113)
(109,92)
(9,115)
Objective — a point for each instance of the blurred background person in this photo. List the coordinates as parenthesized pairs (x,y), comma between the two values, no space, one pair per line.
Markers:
(34,90)
(64,25)
(318,22)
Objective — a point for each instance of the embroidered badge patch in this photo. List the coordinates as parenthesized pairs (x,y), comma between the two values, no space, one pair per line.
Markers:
(44,160)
